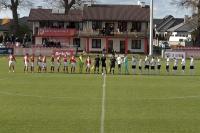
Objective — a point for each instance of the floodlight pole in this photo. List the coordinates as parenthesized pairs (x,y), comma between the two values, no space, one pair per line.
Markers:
(151,29)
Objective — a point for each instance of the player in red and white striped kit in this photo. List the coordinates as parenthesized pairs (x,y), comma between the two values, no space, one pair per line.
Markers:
(65,63)
(73,64)
(88,64)
(26,62)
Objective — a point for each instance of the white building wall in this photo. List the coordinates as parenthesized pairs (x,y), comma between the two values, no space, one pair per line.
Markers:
(38,40)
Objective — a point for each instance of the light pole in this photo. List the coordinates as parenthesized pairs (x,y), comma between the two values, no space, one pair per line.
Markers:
(151,29)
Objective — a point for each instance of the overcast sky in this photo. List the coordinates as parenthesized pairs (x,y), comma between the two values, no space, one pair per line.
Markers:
(161,8)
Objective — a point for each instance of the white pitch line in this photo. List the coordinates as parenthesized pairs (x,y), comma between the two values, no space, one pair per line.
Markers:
(103,104)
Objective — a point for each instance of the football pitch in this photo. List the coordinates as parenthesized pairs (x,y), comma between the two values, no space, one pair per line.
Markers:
(81,103)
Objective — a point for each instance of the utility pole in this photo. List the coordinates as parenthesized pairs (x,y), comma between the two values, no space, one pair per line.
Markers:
(151,29)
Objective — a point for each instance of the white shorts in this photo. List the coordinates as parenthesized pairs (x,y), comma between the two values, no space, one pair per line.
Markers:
(11,63)
(44,65)
(32,64)
(40,64)
(73,64)
(26,64)
(65,64)
(88,65)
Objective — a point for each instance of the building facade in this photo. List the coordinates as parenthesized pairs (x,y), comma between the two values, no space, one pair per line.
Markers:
(120,28)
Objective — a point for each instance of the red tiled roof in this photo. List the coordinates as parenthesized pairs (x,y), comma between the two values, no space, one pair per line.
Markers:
(46,14)
(117,13)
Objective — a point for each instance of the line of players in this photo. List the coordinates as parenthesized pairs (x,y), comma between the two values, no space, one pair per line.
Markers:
(150,66)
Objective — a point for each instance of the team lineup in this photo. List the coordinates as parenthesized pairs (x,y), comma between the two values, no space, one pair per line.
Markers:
(70,63)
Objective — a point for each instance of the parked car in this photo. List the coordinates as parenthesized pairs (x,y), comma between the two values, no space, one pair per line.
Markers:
(164,44)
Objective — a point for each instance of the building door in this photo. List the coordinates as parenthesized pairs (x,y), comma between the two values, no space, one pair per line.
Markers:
(110,46)
(122,46)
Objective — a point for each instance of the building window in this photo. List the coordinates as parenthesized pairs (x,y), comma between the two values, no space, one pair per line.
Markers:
(136,44)
(96,25)
(136,27)
(77,42)
(122,26)
(96,43)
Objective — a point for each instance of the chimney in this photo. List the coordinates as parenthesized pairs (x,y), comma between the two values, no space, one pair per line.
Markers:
(186,18)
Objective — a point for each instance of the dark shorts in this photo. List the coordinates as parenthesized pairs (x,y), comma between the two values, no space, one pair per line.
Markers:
(158,67)
(167,67)
(103,65)
(140,67)
(146,67)
(152,67)
(112,65)
(191,67)
(119,65)
(96,65)
(133,67)
(183,67)
(175,68)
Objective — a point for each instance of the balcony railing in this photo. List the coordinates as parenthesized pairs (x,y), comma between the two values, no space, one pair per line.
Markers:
(111,34)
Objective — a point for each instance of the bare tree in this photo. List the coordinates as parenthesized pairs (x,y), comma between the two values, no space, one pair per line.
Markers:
(195,6)
(68,4)
(14,5)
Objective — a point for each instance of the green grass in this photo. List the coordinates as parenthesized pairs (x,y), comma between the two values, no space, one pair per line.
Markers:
(71,103)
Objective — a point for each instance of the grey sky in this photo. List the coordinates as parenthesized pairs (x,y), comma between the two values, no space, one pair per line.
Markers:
(161,8)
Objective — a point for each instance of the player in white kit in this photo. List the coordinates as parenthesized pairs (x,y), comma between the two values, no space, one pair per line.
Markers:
(134,64)
(119,63)
(11,62)
(167,64)
(183,65)
(158,65)
(192,67)
(175,67)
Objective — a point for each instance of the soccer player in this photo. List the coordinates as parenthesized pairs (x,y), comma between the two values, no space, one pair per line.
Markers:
(167,64)
(73,64)
(44,64)
(147,63)
(126,65)
(39,62)
(175,67)
(81,63)
(119,63)
(88,64)
(103,63)
(192,65)
(112,64)
(158,65)
(153,64)
(65,64)
(58,62)
(183,65)
(26,62)
(134,64)
(11,62)
(140,65)
(96,64)
(52,63)
(32,58)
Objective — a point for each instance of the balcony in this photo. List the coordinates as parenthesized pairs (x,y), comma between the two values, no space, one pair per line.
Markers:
(100,33)
(55,32)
